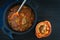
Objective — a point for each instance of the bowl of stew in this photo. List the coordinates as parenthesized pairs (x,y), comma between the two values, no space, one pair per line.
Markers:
(22,22)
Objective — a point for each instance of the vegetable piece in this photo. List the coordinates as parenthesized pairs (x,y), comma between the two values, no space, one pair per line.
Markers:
(43,29)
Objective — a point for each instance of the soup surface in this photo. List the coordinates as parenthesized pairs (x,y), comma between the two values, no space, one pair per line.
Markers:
(20,21)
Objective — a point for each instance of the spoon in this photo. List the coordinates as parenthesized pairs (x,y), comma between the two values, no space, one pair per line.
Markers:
(21,6)
(19,9)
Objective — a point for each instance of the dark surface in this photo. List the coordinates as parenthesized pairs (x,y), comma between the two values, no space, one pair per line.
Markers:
(47,10)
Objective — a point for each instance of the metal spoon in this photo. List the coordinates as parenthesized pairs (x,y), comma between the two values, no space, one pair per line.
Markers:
(19,9)
(21,5)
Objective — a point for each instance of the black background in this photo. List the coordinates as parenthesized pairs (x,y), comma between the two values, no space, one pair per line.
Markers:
(46,10)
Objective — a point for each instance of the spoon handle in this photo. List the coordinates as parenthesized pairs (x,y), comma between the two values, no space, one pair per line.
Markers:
(21,5)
